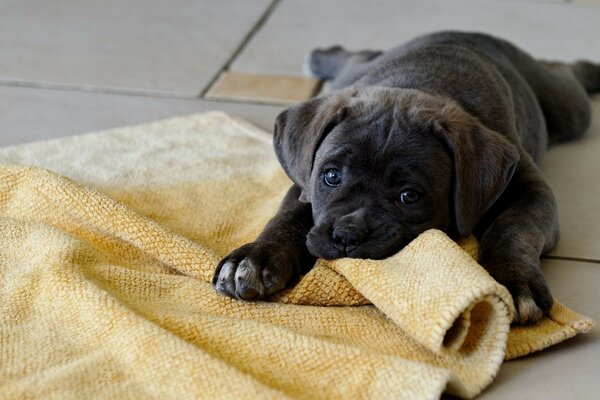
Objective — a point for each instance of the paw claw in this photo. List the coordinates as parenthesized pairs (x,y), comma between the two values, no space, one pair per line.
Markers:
(247,293)
(527,311)
(223,282)
(272,282)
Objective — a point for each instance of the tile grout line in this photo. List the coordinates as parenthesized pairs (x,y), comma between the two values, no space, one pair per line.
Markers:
(152,93)
(93,89)
(122,92)
(244,101)
(566,258)
(259,24)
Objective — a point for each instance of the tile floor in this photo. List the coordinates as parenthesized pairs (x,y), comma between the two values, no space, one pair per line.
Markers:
(72,67)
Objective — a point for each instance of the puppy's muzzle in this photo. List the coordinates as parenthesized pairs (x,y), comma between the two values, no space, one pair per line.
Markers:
(350,230)
(348,236)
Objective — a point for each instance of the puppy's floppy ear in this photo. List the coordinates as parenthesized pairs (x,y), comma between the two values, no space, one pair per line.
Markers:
(483,161)
(298,133)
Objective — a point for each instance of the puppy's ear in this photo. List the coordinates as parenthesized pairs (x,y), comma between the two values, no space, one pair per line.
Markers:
(483,161)
(298,133)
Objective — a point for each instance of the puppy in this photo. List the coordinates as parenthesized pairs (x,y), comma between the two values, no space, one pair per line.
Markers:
(443,132)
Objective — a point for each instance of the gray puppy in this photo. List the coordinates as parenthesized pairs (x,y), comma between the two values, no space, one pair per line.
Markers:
(443,132)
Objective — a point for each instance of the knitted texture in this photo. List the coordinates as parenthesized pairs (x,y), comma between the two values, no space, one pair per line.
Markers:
(105,269)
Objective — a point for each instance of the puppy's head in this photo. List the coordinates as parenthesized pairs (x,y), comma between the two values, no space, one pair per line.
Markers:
(379,166)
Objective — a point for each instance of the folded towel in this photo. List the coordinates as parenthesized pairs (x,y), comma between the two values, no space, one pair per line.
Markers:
(105,268)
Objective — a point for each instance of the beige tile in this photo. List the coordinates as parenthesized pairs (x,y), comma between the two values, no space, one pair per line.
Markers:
(573,170)
(263,88)
(570,369)
(575,284)
(587,2)
(172,47)
(28,114)
(538,1)
(563,31)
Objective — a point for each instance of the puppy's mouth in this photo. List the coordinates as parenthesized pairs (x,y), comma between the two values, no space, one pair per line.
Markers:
(376,246)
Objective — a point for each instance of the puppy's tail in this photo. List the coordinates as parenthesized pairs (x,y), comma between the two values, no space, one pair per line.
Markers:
(588,74)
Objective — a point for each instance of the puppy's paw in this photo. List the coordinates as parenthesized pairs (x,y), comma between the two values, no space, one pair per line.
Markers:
(255,271)
(527,310)
(531,295)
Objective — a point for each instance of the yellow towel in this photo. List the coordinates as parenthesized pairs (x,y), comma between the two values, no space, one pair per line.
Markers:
(105,266)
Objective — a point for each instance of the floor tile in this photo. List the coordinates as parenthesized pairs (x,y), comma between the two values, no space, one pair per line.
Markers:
(587,2)
(539,1)
(28,114)
(573,171)
(172,46)
(555,31)
(278,89)
(568,370)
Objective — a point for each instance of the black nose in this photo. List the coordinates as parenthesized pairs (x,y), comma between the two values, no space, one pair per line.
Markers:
(346,236)
(351,229)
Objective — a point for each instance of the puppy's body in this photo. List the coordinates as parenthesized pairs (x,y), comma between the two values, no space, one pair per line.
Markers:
(443,132)
(506,89)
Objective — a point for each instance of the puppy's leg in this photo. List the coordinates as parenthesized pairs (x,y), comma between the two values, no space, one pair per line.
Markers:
(588,74)
(523,226)
(274,260)
(561,91)
(339,65)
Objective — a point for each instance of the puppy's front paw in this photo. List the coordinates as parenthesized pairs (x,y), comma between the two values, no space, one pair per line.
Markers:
(255,271)
(530,293)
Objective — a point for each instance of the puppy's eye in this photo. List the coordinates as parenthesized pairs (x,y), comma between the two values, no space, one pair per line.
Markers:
(332,177)
(409,196)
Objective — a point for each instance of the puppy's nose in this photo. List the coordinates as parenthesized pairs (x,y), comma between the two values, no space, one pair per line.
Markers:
(346,236)
(351,229)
